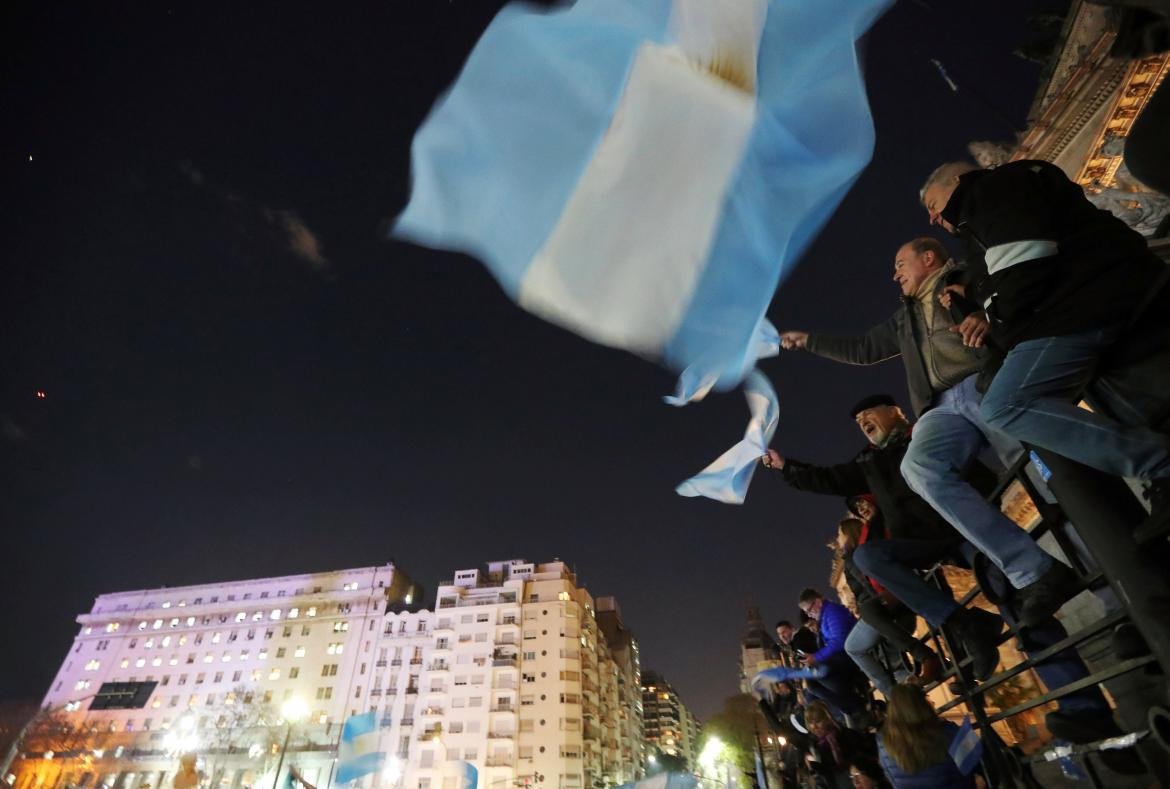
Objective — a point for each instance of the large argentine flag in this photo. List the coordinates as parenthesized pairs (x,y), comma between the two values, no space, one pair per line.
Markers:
(357,752)
(644,172)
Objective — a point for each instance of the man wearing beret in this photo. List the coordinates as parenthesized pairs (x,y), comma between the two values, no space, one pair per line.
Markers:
(942,355)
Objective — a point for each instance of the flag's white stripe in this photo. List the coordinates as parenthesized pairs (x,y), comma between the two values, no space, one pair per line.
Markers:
(623,260)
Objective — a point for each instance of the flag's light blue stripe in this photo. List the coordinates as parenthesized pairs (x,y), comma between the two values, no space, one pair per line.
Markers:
(813,136)
(470,776)
(966,748)
(358,725)
(362,765)
(500,155)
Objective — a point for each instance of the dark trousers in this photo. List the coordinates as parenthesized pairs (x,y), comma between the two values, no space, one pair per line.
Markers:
(838,688)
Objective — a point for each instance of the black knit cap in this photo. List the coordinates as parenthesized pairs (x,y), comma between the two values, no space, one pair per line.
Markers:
(870,402)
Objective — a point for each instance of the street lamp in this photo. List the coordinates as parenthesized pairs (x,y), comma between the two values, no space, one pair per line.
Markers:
(292,711)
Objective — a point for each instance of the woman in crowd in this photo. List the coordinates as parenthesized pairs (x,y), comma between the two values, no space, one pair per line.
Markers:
(914,744)
(835,747)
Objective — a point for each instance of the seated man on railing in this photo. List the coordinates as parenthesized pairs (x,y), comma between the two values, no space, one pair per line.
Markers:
(1063,284)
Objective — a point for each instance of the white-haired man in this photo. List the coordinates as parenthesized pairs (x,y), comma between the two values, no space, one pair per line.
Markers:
(1061,281)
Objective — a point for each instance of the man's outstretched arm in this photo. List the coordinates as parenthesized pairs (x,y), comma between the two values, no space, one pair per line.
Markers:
(876,345)
(844,479)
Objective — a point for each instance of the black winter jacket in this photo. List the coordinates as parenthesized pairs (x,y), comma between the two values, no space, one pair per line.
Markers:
(876,470)
(1047,262)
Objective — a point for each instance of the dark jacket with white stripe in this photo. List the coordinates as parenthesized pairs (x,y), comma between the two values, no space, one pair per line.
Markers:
(1055,264)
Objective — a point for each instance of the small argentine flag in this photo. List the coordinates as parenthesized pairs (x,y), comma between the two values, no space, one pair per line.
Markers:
(966,748)
(645,172)
(470,776)
(356,753)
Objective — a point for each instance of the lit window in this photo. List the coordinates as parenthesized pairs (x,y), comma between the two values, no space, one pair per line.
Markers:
(227,657)
(256,617)
(156,624)
(182,641)
(88,630)
(149,644)
(293,613)
(166,642)
(215,637)
(174,622)
(275,614)
(125,663)
(312,611)
(300,652)
(82,684)
(263,654)
(140,662)
(174,661)
(274,674)
(167,604)
(240,617)
(112,626)
(335,648)
(340,627)
(190,621)
(142,625)
(207,658)
(93,665)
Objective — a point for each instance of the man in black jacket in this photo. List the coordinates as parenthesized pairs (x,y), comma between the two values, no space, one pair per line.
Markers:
(919,538)
(1060,281)
(941,353)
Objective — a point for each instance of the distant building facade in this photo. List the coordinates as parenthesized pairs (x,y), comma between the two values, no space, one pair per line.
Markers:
(511,672)
(670,726)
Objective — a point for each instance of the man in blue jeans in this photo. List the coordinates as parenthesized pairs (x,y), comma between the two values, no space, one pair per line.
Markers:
(1060,280)
(942,355)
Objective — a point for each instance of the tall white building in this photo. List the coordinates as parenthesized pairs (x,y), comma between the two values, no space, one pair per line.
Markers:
(510,672)
(225,658)
(517,680)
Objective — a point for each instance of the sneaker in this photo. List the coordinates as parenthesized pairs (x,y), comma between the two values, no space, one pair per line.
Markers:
(1041,599)
(977,631)
(1093,726)
(1128,642)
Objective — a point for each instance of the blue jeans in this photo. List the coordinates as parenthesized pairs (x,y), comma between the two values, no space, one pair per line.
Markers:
(1063,668)
(892,564)
(861,645)
(944,442)
(1033,399)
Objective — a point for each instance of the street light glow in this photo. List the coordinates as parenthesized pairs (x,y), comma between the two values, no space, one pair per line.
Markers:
(294,709)
(393,769)
(711,752)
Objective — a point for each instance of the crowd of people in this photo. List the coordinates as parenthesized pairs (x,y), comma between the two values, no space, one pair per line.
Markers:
(999,351)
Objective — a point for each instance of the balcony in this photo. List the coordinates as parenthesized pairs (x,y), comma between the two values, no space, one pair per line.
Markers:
(408,721)
(431,712)
(501,735)
(503,708)
(412,689)
(380,663)
(396,662)
(497,762)
(505,661)
(428,735)
(439,665)
(375,691)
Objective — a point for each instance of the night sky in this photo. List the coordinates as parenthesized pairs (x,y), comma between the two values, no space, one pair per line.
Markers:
(242,378)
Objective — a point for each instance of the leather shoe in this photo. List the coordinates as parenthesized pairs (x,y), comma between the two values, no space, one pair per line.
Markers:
(1043,598)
